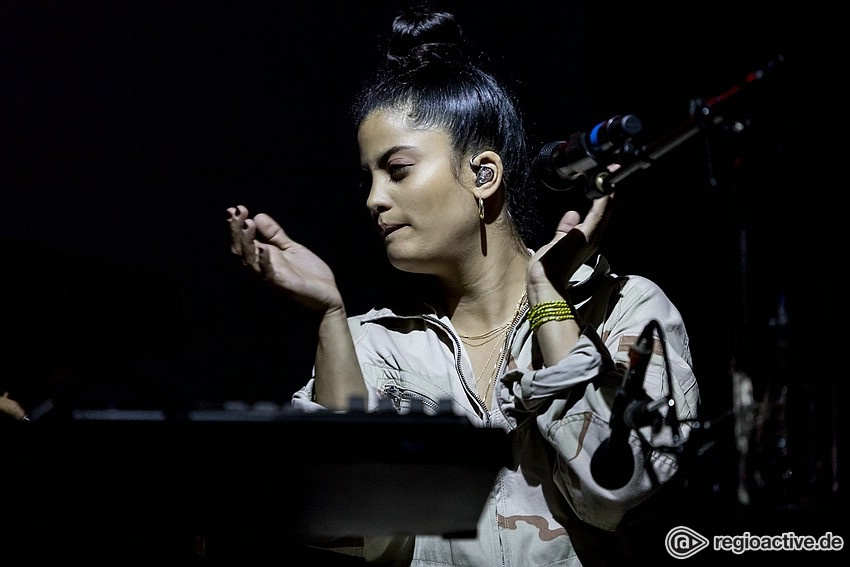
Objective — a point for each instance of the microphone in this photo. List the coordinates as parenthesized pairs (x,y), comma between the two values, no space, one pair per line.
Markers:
(613,463)
(561,165)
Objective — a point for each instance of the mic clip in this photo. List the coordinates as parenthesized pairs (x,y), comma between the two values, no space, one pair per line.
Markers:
(587,158)
(643,412)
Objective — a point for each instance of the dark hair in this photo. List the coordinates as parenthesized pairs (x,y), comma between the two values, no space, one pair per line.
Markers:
(429,75)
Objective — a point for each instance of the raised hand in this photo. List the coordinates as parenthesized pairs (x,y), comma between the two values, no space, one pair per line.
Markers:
(266,249)
(575,241)
(11,408)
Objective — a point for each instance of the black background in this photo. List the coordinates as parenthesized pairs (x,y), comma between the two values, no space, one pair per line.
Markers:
(128,128)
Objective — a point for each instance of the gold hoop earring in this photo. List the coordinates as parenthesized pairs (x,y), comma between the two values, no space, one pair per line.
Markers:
(481,208)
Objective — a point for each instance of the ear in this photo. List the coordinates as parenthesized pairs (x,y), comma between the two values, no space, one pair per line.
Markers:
(486,171)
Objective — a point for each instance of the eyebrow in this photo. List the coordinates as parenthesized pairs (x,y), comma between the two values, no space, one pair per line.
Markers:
(386,155)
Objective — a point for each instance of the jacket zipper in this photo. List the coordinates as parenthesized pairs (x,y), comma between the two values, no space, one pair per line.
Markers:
(509,340)
(397,393)
(459,367)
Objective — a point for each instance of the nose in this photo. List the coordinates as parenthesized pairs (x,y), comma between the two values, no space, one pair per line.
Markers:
(379,198)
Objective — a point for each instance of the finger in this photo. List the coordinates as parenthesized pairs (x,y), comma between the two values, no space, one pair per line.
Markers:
(597,217)
(564,248)
(559,261)
(271,231)
(262,258)
(237,213)
(597,209)
(247,244)
(568,221)
(237,210)
(236,221)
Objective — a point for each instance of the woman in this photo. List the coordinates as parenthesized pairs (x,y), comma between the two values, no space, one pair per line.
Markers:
(517,339)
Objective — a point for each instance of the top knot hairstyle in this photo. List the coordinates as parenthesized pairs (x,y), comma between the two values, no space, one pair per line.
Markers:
(420,36)
(429,75)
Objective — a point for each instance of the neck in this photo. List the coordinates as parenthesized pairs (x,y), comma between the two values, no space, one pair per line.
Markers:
(489,301)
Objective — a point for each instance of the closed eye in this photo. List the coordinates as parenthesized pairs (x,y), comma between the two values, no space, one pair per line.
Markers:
(397,172)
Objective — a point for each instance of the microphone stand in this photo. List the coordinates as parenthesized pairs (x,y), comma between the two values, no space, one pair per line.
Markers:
(704,115)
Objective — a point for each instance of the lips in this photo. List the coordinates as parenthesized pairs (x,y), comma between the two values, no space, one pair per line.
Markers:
(385,229)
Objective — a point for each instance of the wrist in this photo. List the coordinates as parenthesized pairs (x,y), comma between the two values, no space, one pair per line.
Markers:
(544,293)
(544,312)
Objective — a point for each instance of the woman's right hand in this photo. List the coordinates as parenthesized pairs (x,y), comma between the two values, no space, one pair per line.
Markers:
(264,247)
(11,408)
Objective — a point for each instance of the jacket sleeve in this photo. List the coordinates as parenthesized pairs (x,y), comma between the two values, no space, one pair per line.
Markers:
(571,403)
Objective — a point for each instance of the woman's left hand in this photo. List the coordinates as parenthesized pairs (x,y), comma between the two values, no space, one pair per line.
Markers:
(575,241)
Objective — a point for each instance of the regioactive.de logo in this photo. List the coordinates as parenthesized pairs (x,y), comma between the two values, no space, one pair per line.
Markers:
(683,542)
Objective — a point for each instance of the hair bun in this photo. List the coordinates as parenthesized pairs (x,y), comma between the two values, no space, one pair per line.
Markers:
(420,36)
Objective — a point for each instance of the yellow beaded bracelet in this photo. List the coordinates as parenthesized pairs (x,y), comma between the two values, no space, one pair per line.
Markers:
(546,311)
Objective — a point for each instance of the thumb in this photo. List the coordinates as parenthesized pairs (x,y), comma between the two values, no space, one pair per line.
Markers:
(568,221)
(271,231)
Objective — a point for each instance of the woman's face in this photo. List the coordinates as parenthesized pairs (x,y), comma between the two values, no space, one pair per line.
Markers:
(427,219)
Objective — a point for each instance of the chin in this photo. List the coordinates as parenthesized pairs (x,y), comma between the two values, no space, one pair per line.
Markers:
(407,264)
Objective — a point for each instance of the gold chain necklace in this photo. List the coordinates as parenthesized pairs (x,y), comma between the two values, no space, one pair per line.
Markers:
(480,340)
(491,382)
(484,337)
(487,363)
(488,336)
